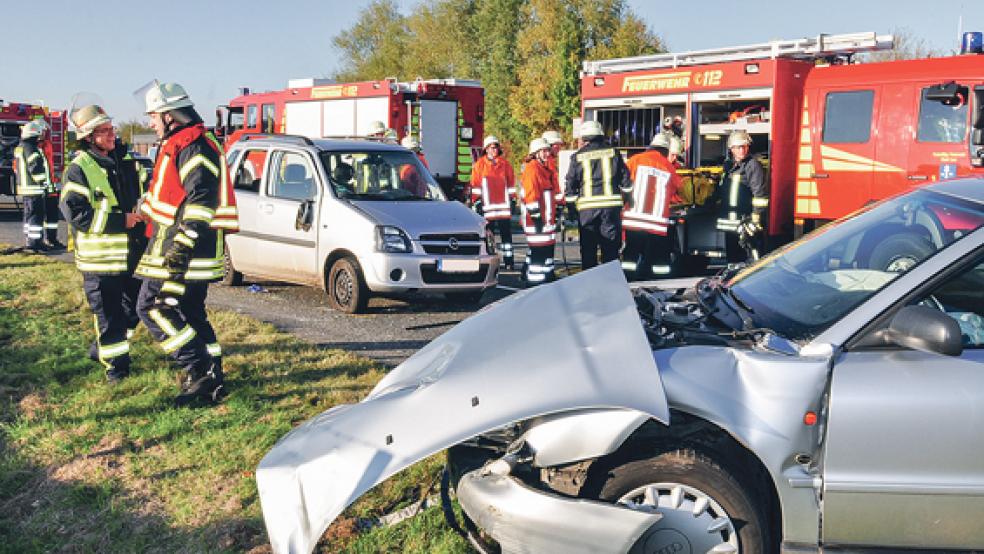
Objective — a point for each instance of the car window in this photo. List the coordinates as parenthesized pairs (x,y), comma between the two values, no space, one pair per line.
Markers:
(250,172)
(847,117)
(251,117)
(962,298)
(941,123)
(806,286)
(267,118)
(380,175)
(292,177)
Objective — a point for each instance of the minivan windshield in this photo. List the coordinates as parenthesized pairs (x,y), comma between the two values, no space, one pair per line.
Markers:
(803,288)
(380,175)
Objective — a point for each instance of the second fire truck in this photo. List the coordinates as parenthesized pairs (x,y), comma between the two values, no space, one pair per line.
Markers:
(834,135)
(446,116)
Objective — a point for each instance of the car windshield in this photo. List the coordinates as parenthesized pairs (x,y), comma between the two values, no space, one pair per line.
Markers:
(380,175)
(801,289)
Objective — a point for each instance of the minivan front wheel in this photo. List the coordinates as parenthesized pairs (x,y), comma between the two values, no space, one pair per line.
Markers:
(347,291)
(231,277)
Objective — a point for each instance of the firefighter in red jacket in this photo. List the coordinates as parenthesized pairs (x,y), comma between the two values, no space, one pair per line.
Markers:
(492,184)
(410,177)
(556,142)
(539,212)
(647,216)
(191,206)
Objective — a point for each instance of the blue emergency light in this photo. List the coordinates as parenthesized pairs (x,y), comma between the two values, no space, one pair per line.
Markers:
(972,43)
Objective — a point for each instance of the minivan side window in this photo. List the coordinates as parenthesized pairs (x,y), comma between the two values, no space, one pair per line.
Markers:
(267,118)
(292,177)
(251,117)
(941,123)
(250,172)
(847,117)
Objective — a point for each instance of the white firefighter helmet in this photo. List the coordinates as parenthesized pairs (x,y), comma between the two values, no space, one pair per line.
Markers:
(739,138)
(676,146)
(33,129)
(591,129)
(553,137)
(164,97)
(660,140)
(409,143)
(87,118)
(376,128)
(489,141)
(389,135)
(538,144)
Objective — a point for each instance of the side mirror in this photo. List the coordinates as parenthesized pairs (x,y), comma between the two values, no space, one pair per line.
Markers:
(305,215)
(949,94)
(925,329)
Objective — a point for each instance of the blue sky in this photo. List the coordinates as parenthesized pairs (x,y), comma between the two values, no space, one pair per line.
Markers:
(112,47)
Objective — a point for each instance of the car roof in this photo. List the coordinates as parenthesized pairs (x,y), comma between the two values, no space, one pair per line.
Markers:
(324,144)
(967,188)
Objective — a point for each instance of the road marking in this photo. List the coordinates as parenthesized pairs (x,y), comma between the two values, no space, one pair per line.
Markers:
(504,287)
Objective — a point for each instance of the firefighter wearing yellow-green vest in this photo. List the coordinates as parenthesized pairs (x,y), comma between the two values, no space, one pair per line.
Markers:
(192,206)
(35,185)
(597,181)
(100,193)
(743,197)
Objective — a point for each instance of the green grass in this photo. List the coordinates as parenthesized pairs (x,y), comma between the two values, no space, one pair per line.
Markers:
(88,467)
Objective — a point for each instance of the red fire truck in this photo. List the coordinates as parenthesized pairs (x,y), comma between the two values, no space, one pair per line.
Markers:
(832,133)
(12,116)
(445,115)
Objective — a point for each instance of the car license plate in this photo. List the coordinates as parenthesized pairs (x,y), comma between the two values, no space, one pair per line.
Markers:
(457,266)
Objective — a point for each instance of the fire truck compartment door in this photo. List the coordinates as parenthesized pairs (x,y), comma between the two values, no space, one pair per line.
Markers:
(368,110)
(303,118)
(439,135)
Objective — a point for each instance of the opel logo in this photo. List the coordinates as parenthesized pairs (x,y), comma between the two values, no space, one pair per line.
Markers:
(453,243)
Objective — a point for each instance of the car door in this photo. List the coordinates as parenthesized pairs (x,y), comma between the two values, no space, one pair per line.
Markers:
(903,465)
(844,157)
(290,249)
(248,170)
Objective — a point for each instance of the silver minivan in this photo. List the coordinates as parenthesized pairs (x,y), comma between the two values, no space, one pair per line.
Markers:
(358,218)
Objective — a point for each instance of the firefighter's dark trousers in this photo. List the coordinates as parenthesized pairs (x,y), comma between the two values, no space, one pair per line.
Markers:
(173,327)
(34,209)
(51,214)
(539,265)
(600,227)
(504,226)
(645,256)
(113,300)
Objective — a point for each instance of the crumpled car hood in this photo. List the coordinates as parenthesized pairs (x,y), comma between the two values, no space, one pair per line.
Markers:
(577,343)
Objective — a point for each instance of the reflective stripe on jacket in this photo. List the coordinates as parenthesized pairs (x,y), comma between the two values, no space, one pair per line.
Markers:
(32,169)
(103,247)
(538,196)
(597,177)
(655,184)
(492,181)
(743,192)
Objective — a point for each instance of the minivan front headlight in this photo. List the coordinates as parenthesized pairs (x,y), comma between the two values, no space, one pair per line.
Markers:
(392,239)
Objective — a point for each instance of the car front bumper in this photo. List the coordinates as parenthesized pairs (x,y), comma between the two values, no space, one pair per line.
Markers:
(523,519)
(407,273)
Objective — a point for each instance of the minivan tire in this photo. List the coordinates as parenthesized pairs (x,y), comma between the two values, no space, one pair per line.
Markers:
(347,291)
(231,277)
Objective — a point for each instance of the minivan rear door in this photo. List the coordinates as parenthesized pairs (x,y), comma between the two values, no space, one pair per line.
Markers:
(288,216)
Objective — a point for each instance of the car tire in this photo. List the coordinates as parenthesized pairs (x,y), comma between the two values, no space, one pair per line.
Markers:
(468,298)
(703,504)
(899,253)
(231,277)
(347,291)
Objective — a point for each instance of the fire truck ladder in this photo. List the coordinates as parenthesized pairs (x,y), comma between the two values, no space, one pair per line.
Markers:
(804,48)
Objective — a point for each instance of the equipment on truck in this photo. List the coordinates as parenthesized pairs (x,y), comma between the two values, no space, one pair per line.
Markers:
(445,116)
(831,133)
(13,115)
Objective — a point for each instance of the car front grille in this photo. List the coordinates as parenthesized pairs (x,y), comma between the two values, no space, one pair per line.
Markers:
(445,237)
(431,276)
(451,244)
(463,250)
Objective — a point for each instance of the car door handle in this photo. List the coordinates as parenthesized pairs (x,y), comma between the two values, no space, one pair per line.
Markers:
(266,208)
(820,176)
(918,177)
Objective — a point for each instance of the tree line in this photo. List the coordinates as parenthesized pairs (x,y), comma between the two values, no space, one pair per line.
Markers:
(526,53)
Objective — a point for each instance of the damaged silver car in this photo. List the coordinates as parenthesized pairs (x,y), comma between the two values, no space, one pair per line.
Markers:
(828,396)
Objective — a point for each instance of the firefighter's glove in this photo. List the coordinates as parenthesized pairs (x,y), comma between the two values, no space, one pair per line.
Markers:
(477,207)
(177,259)
(749,228)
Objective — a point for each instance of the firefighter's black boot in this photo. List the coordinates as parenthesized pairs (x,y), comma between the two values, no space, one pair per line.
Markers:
(207,386)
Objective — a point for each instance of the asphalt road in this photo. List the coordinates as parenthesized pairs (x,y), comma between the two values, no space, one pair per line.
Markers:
(391,331)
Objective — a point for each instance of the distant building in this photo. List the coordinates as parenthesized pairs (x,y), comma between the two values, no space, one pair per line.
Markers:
(143,143)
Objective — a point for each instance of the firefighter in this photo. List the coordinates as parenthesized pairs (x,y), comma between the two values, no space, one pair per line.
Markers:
(412,145)
(492,183)
(376,129)
(34,184)
(538,212)
(596,182)
(99,197)
(556,142)
(410,177)
(743,194)
(676,152)
(192,206)
(646,221)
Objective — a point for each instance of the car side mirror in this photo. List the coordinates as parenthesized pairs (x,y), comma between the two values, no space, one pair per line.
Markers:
(926,329)
(305,215)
